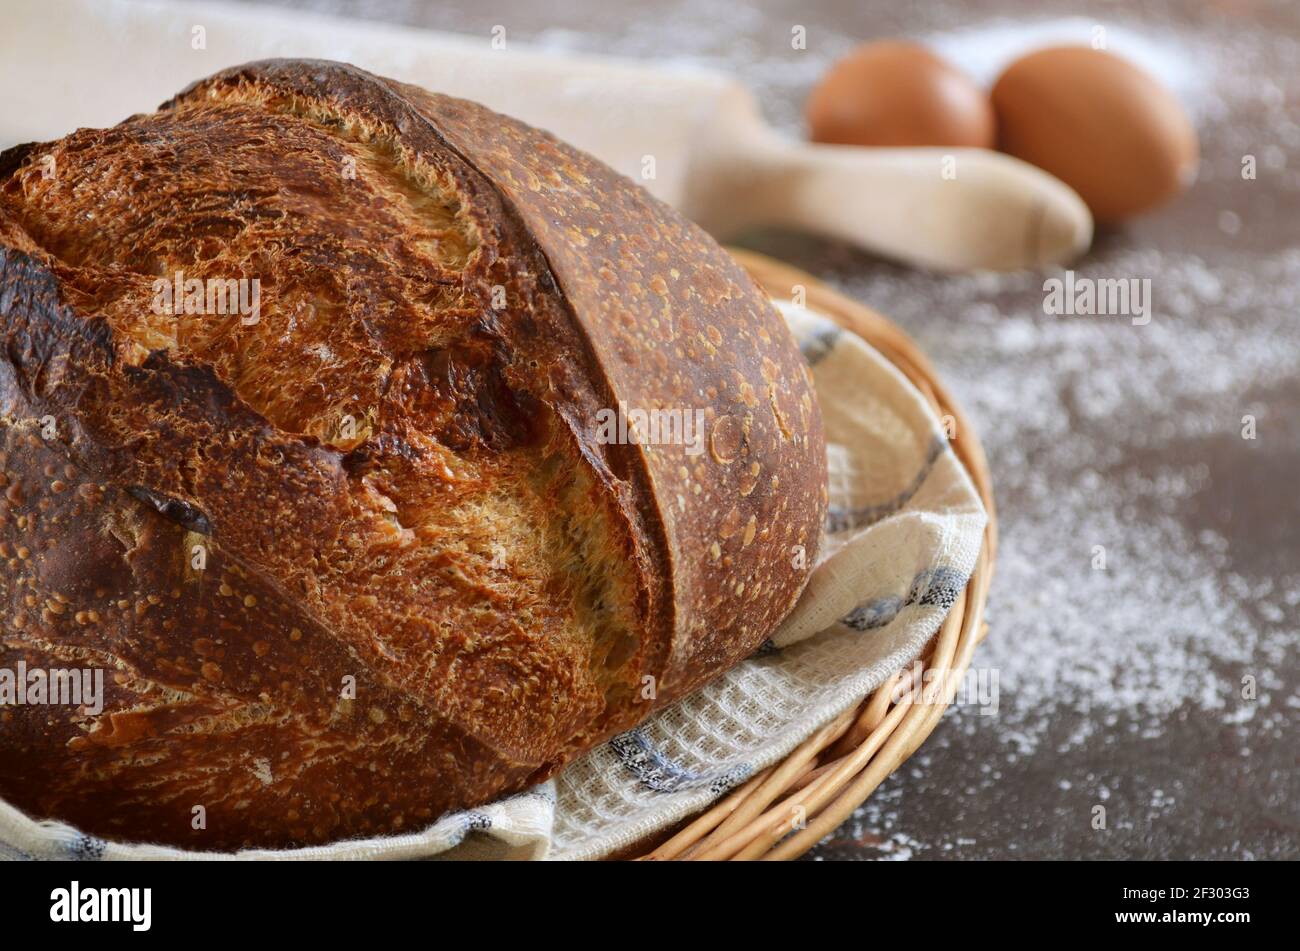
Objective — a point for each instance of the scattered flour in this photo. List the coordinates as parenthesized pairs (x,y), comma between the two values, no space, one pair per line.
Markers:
(1093,430)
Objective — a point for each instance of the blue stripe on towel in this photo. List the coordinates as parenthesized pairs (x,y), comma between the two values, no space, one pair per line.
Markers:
(467,822)
(934,587)
(818,345)
(86,848)
(656,771)
(841,519)
(9,853)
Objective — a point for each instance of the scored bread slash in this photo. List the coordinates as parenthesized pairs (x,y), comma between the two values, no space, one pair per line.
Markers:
(517,452)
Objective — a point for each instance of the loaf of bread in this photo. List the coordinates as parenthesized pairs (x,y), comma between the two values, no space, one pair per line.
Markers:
(382,452)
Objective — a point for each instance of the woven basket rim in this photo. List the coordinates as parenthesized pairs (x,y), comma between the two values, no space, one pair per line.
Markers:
(786,809)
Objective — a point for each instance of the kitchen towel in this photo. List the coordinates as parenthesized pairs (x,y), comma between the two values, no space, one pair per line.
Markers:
(902,533)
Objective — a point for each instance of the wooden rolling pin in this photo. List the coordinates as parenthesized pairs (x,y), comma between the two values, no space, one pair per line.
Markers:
(694,138)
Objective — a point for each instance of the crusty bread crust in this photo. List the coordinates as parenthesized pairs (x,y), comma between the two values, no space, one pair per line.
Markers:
(369,558)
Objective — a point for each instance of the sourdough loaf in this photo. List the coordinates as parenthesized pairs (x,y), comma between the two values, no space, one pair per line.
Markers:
(366,547)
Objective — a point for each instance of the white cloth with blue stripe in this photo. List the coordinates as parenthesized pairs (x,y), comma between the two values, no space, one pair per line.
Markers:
(902,535)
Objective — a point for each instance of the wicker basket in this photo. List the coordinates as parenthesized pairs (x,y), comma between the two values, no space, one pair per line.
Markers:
(786,809)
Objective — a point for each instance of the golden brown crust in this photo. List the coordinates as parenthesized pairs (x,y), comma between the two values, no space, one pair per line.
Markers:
(428,579)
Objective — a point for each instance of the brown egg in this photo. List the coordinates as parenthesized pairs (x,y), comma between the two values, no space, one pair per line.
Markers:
(895,93)
(1098,123)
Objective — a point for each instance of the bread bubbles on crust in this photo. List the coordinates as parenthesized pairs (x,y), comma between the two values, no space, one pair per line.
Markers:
(367,558)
